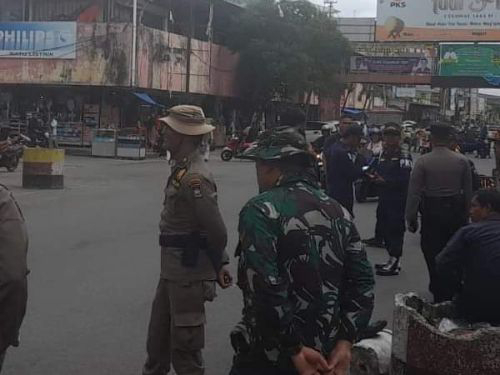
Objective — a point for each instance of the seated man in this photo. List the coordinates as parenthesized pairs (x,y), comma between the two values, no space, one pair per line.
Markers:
(471,261)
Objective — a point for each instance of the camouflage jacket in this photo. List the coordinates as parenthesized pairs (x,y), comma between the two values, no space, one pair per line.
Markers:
(304,274)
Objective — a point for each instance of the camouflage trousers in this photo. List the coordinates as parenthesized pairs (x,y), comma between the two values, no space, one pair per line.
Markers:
(176,333)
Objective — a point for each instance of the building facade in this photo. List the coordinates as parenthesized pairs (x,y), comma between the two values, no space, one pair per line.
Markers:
(74,60)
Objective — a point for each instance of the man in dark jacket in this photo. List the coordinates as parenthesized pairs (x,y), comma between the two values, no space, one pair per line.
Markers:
(344,167)
(470,263)
(13,271)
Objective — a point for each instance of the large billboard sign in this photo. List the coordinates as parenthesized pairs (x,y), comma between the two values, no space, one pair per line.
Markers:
(438,20)
(470,60)
(38,40)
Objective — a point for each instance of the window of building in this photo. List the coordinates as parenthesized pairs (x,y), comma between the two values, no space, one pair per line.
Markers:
(69,10)
(11,11)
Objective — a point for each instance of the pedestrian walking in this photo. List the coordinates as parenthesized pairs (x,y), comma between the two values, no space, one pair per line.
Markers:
(53,137)
(441,186)
(307,284)
(13,270)
(193,238)
(392,175)
(471,261)
(344,166)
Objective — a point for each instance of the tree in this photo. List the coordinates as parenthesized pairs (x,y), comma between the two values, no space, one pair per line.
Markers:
(287,49)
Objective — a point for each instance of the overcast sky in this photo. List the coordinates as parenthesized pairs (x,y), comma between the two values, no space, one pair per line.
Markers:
(358,8)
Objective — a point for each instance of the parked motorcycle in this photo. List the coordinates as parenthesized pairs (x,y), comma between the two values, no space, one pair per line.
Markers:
(10,157)
(234,149)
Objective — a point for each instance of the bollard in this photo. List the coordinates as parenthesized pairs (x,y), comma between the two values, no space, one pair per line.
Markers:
(419,348)
(43,168)
(372,356)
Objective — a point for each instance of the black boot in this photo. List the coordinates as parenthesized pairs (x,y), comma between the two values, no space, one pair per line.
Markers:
(374,242)
(391,268)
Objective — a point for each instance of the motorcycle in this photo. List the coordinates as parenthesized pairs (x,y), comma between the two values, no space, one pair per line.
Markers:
(39,138)
(235,149)
(10,157)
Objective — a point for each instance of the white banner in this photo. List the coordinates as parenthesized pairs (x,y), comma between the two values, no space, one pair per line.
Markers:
(406,92)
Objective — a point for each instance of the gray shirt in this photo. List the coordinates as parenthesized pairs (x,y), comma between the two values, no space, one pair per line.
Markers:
(441,173)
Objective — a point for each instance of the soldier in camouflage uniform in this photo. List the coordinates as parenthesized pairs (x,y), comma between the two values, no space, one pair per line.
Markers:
(307,284)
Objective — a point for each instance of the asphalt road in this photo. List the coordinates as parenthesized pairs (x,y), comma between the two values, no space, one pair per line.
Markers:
(95,263)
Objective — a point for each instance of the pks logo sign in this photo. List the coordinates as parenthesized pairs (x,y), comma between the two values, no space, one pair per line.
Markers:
(398,4)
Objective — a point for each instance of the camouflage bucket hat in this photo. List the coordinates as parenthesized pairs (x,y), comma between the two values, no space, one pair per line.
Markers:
(278,143)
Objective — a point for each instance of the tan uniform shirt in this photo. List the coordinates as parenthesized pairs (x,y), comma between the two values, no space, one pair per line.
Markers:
(441,173)
(13,269)
(191,206)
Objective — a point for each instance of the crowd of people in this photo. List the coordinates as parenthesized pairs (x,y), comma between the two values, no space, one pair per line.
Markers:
(306,282)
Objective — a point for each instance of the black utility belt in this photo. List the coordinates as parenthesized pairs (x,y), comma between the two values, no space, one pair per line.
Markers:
(182,241)
(191,244)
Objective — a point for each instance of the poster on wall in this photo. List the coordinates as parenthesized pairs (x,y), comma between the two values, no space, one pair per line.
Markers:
(38,40)
(394,65)
(471,60)
(438,20)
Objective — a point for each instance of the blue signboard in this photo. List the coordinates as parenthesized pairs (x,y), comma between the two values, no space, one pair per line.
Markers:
(38,40)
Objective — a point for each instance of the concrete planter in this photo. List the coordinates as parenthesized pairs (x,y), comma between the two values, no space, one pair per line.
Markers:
(419,348)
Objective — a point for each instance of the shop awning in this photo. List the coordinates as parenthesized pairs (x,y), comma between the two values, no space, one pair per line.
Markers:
(147,99)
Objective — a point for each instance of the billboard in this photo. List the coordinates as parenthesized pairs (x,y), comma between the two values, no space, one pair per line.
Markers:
(38,40)
(392,65)
(471,60)
(438,20)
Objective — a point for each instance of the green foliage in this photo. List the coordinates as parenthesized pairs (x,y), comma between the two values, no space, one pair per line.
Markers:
(287,48)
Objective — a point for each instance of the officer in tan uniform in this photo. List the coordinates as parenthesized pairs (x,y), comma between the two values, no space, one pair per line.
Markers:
(13,270)
(193,240)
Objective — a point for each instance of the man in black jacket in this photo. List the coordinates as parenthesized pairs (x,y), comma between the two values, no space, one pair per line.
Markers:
(344,166)
(470,263)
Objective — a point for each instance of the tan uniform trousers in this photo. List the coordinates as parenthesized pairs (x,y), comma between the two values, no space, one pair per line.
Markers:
(177,327)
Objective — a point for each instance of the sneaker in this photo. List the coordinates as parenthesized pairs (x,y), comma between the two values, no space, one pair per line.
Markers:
(392,268)
(374,242)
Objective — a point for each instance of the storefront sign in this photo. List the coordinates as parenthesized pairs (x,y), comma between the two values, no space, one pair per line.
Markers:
(438,20)
(471,60)
(38,40)
(406,92)
(396,65)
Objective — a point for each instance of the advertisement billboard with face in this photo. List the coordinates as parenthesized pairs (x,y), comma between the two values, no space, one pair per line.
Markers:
(392,65)
(438,20)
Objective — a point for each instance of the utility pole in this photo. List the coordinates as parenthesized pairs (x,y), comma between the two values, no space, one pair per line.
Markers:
(329,4)
(133,68)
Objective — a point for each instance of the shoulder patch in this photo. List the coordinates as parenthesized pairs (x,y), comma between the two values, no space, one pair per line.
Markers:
(195,185)
(179,175)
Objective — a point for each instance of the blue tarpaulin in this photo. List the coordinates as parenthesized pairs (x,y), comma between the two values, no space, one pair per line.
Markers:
(493,80)
(146,98)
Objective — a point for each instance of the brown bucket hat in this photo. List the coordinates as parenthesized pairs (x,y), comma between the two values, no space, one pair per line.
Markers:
(188,120)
